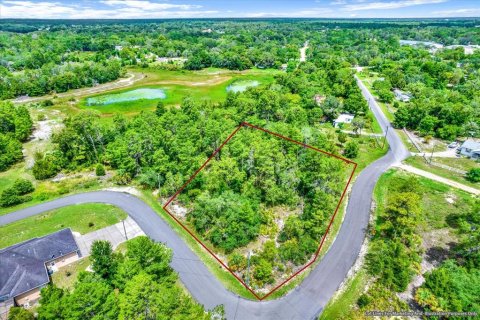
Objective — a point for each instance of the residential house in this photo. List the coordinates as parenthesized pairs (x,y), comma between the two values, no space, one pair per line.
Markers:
(470,149)
(25,267)
(343,118)
(402,96)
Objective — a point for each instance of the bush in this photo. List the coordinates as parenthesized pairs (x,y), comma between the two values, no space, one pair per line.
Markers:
(263,272)
(100,170)
(47,103)
(9,198)
(19,313)
(342,137)
(363,301)
(473,175)
(23,186)
(351,149)
(237,262)
(14,195)
(44,167)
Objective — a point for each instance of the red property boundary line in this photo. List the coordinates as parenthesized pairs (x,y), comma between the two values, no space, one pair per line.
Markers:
(245,124)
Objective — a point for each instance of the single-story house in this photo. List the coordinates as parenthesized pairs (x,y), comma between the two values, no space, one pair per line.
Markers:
(343,118)
(470,149)
(25,267)
(402,96)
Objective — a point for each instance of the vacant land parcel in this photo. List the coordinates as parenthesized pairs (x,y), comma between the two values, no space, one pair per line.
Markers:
(262,204)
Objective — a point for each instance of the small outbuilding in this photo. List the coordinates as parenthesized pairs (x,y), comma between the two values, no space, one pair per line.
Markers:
(343,118)
(402,96)
(470,149)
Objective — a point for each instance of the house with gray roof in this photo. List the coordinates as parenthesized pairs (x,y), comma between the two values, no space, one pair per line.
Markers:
(470,149)
(26,267)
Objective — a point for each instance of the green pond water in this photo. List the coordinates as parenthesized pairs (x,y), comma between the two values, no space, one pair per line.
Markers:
(242,85)
(132,95)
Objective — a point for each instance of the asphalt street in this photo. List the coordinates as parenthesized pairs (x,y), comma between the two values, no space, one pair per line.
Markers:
(309,298)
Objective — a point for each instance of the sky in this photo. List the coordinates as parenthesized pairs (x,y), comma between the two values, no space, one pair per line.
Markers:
(150,9)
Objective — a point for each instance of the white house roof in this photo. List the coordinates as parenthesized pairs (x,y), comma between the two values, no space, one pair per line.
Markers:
(470,144)
(344,117)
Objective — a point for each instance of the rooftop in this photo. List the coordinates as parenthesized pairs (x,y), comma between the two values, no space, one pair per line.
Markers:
(22,266)
(471,144)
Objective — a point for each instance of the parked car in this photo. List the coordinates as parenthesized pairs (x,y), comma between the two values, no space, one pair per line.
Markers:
(452,145)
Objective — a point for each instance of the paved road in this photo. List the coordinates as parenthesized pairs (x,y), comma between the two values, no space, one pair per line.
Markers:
(308,299)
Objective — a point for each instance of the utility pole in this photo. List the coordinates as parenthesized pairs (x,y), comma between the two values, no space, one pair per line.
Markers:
(431,156)
(248,268)
(385,138)
(124,229)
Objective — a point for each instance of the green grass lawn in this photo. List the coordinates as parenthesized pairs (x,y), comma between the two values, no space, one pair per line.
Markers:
(340,306)
(206,85)
(419,162)
(77,217)
(458,163)
(17,171)
(66,276)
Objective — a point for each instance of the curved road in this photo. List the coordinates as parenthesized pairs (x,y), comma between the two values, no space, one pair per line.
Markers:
(309,298)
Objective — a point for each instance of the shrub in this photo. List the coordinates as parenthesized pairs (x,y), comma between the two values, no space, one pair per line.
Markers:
(23,186)
(237,262)
(100,170)
(45,167)
(351,149)
(47,103)
(363,301)
(9,198)
(15,194)
(342,137)
(19,313)
(263,272)
(473,175)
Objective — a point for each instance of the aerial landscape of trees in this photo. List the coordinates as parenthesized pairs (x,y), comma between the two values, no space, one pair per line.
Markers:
(263,204)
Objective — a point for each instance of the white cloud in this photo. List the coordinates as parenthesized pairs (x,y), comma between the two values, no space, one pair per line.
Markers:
(149,5)
(465,12)
(128,9)
(304,13)
(388,5)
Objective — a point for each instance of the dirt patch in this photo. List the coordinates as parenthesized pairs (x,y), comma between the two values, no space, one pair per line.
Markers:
(437,246)
(215,80)
(451,198)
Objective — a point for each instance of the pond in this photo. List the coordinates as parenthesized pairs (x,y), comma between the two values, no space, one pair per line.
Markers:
(132,95)
(242,85)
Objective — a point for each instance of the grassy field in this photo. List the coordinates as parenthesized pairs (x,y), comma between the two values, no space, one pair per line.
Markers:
(458,163)
(7,178)
(204,85)
(66,276)
(419,162)
(82,218)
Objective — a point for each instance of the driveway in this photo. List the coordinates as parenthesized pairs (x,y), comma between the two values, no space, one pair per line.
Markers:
(115,234)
